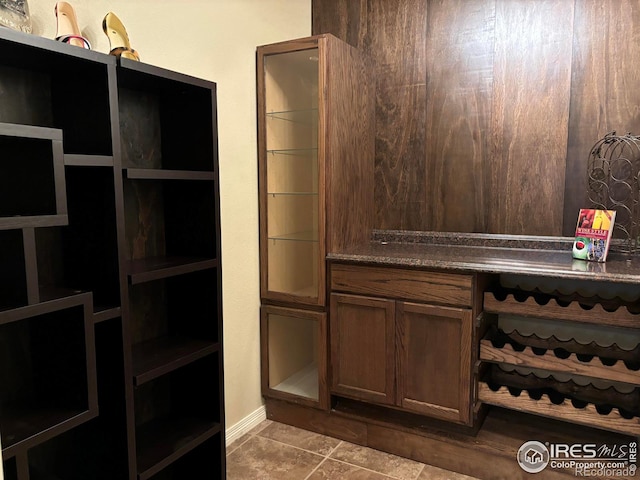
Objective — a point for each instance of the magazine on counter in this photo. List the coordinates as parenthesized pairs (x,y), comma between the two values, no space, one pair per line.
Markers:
(593,234)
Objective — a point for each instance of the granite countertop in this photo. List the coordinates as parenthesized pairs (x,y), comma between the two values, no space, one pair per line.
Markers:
(537,256)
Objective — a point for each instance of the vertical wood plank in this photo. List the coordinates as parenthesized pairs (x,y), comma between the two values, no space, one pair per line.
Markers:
(31,265)
(396,37)
(22,465)
(400,168)
(605,92)
(460,39)
(530,116)
(345,19)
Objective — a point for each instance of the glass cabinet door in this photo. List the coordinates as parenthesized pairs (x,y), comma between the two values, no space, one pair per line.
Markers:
(291,224)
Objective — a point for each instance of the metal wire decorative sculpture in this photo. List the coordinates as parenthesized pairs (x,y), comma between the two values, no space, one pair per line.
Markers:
(614,184)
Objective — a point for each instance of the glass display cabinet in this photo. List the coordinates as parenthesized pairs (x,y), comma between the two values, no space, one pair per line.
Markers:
(292,201)
(315,158)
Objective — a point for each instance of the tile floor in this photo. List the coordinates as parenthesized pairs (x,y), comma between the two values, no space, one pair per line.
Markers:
(280,452)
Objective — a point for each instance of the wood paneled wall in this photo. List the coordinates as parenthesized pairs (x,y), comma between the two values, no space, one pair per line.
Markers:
(486,110)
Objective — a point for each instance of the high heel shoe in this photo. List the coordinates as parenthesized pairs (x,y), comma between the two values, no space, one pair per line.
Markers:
(118,38)
(67,29)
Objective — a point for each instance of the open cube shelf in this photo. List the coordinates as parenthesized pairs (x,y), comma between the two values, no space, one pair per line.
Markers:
(36,89)
(48,371)
(90,241)
(175,413)
(174,321)
(170,218)
(197,463)
(31,177)
(103,438)
(31,268)
(292,349)
(178,114)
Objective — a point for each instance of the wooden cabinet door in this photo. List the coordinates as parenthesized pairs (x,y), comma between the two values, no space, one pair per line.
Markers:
(362,348)
(434,360)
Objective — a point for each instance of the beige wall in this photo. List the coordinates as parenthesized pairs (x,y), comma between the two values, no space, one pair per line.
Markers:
(215,40)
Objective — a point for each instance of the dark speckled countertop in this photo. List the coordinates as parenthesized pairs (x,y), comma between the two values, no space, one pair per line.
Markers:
(503,254)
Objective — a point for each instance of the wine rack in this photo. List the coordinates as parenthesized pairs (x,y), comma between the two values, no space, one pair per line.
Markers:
(563,355)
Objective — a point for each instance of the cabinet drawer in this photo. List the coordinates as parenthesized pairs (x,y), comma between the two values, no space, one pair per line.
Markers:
(433,287)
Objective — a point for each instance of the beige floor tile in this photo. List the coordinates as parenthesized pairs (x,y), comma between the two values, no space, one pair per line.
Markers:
(269,451)
(263,459)
(238,441)
(334,470)
(261,426)
(392,465)
(314,442)
(435,473)
(246,436)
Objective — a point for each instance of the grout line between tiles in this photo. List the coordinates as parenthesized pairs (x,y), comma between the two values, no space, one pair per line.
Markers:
(380,473)
(250,434)
(292,446)
(324,459)
(239,445)
(364,468)
(334,448)
(263,425)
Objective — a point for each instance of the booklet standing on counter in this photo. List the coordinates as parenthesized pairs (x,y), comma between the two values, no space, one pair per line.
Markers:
(593,234)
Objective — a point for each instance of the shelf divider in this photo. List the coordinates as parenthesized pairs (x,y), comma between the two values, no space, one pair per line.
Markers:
(156,268)
(163,441)
(21,431)
(160,174)
(76,160)
(157,357)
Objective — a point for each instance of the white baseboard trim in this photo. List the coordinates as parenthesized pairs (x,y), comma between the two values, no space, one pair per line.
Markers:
(234,432)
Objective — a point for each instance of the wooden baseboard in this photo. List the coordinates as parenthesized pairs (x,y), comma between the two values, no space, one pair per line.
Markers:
(488,453)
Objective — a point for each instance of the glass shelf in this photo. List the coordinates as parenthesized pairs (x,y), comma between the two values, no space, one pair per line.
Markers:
(275,194)
(289,213)
(308,236)
(306,116)
(293,266)
(298,152)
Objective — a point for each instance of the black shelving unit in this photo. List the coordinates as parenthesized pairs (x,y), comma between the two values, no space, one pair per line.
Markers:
(110,270)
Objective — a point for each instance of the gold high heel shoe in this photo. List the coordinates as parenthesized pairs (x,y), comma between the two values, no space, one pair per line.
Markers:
(67,26)
(118,38)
